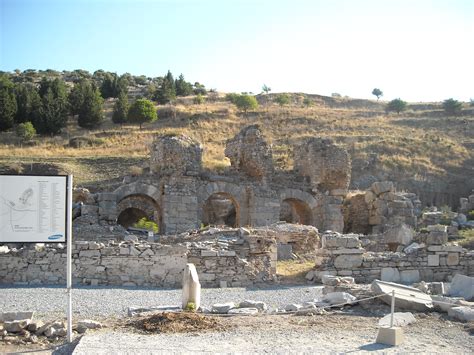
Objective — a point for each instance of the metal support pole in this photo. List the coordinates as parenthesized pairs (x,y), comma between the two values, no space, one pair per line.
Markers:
(69,259)
(392,308)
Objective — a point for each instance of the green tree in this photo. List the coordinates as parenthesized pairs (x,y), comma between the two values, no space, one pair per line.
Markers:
(266,89)
(282,99)
(76,96)
(232,97)
(183,88)
(8,106)
(452,107)
(396,105)
(199,89)
(121,109)
(25,131)
(28,102)
(377,92)
(52,116)
(90,113)
(246,102)
(167,90)
(141,111)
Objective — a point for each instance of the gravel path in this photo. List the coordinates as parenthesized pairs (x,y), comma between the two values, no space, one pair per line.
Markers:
(104,302)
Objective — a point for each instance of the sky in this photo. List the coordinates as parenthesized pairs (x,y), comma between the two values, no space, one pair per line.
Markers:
(418,50)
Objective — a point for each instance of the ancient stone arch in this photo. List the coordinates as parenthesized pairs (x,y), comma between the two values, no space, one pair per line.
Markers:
(298,207)
(231,191)
(138,200)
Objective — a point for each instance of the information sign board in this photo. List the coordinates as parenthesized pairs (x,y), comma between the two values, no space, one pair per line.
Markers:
(33,208)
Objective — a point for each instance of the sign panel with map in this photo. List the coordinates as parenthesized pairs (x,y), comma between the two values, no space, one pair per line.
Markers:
(33,208)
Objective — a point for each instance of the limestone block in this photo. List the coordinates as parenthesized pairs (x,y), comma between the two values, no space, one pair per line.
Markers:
(400,319)
(382,186)
(207,253)
(390,274)
(462,286)
(452,259)
(437,238)
(464,314)
(390,336)
(369,197)
(337,240)
(243,311)
(409,276)
(433,260)
(191,287)
(89,254)
(348,261)
(401,234)
(261,306)
(222,308)
(89,210)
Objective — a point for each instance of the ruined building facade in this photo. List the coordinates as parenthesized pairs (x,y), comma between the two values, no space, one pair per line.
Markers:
(178,195)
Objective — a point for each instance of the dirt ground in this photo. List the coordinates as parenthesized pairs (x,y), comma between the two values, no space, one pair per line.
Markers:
(349,331)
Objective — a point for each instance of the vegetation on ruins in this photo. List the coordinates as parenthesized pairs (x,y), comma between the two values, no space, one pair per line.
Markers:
(142,111)
(377,92)
(396,105)
(452,107)
(145,223)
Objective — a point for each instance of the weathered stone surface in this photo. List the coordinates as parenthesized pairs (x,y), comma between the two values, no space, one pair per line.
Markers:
(336,240)
(12,316)
(249,153)
(462,286)
(84,325)
(337,298)
(222,308)
(464,314)
(348,261)
(409,276)
(243,311)
(16,326)
(327,165)
(437,238)
(261,306)
(293,307)
(380,187)
(400,319)
(330,280)
(175,155)
(401,235)
(390,274)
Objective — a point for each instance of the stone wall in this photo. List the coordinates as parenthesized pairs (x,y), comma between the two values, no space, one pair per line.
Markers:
(466,204)
(343,255)
(232,258)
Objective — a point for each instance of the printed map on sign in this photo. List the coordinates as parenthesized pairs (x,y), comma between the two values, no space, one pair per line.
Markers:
(32,208)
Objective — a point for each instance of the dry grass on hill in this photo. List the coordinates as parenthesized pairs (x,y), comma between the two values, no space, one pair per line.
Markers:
(417,142)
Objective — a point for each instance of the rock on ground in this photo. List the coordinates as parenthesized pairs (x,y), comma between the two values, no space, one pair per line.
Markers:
(400,319)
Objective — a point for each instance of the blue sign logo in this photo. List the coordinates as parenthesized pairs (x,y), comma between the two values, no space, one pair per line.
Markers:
(55,236)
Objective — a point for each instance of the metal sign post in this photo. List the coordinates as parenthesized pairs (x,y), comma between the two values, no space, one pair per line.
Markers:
(69,258)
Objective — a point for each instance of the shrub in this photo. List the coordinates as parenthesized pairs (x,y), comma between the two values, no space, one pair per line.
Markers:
(232,97)
(397,105)
(452,107)
(135,170)
(141,111)
(246,102)
(190,307)
(145,223)
(282,99)
(307,102)
(25,131)
(470,215)
(198,99)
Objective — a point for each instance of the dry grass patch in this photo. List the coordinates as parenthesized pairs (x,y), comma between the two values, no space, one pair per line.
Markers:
(293,271)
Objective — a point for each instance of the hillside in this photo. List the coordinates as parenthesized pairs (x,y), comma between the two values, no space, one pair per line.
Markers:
(421,149)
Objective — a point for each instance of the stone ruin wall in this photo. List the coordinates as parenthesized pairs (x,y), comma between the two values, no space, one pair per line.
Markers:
(434,260)
(229,259)
(176,193)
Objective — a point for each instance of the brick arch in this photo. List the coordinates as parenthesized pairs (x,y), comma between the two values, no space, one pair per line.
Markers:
(236,193)
(305,204)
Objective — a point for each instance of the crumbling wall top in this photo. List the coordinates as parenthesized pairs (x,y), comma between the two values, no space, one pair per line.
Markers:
(249,153)
(175,155)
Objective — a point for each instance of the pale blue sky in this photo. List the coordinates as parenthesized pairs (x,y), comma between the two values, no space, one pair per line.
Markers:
(418,50)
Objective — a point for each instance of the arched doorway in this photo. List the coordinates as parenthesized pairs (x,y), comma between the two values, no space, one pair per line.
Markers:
(220,209)
(293,210)
(132,208)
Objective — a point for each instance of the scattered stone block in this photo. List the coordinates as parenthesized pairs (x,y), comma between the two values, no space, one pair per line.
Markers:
(336,298)
(16,326)
(84,325)
(380,187)
(261,306)
(400,235)
(12,316)
(293,307)
(222,308)
(462,286)
(400,319)
(243,311)
(390,336)
(464,314)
